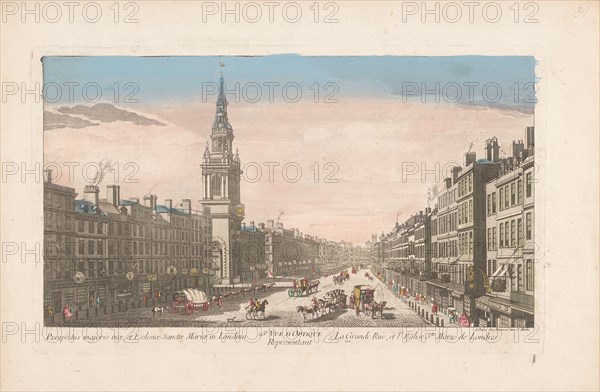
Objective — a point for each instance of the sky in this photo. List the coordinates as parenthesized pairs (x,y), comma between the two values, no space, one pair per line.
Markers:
(354,126)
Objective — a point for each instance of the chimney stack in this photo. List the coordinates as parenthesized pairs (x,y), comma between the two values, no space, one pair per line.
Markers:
(150,201)
(261,226)
(279,225)
(113,194)
(470,157)
(455,171)
(169,204)
(488,149)
(186,206)
(517,147)
(530,140)
(270,223)
(448,182)
(91,193)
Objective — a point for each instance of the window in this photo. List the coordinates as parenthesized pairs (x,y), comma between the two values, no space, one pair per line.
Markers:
(100,248)
(512,233)
(501,199)
(529,275)
(489,205)
(528,227)
(493,202)
(506,197)
(470,210)
(81,247)
(80,226)
(528,184)
(92,226)
(215,185)
(91,247)
(489,239)
(470,242)
(519,192)
(519,232)
(494,238)
(513,196)
(506,233)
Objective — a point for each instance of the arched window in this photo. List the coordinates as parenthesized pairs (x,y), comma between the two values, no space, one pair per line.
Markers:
(215,185)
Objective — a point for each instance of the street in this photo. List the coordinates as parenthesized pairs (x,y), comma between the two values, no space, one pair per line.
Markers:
(280,311)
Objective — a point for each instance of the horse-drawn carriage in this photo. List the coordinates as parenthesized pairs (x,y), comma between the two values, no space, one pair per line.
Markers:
(303,287)
(341,278)
(191,299)
(363,299)
(335,298)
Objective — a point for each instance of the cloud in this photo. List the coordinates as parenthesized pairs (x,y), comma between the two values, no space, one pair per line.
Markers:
(107,113)
(57,121)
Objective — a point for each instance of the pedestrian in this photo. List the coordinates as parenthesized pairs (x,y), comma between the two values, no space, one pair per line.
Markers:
(67,312)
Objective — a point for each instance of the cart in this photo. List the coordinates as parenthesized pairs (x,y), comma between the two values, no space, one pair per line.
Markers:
(189,300)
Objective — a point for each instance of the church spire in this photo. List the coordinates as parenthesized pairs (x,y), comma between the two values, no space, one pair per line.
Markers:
(221,122)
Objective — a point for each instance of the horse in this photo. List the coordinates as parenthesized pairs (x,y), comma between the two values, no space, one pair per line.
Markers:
(306,310)
(377,307)
(253,311)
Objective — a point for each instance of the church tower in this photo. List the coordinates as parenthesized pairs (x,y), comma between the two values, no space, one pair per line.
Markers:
(221,193)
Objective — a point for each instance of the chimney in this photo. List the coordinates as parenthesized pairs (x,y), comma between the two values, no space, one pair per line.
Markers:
(448,182)
(252,224)
(270,223)
(517,147)
(279,225)
(186,205)
(113,194)
(243,225)
(91,193)
(488,149)
(169,203)
(455,171)
(421,213)
(470,157)
(427,210)
(48,176)
(495,150)
(530,140)
(150,201)
(261,226)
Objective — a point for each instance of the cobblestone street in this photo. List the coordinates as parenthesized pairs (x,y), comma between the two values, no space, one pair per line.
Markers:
(280,311)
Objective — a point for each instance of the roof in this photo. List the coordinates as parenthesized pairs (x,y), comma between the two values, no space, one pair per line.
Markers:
(87,207)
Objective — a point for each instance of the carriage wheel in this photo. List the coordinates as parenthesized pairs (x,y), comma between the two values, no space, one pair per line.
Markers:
(205,306)
(189,307)
(290,293)
(248,315)
(173,308)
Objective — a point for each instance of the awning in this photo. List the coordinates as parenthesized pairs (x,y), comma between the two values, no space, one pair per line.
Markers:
(500,271)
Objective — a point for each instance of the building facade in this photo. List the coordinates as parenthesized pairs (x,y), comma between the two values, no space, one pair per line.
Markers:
(509,299)
(102,252)
(480,259)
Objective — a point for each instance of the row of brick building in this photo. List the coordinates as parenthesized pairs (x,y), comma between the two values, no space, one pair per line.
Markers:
(474,250)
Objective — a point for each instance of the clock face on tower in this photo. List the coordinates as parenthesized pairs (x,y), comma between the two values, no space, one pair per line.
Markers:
(239,210)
